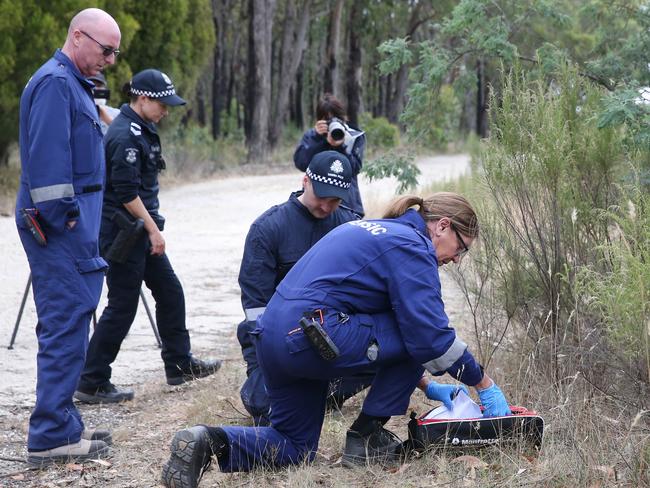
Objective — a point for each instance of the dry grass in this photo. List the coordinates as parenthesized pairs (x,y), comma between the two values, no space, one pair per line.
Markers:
(592,439)
(582,447)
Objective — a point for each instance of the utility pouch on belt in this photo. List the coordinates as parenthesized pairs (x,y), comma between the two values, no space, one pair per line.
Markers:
(30,217)
(319,339)
(130,232)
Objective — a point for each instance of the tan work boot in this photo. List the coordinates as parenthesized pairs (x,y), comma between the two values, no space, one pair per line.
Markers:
(79,451)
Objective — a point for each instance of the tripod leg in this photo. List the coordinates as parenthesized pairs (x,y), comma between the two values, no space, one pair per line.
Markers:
(20,312)
(151,320)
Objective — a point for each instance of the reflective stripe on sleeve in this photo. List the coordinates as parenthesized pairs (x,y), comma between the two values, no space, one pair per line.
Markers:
(45,193)
(445,361)
(253,313)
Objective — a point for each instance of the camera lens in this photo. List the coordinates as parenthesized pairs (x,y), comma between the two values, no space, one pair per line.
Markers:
(336,130)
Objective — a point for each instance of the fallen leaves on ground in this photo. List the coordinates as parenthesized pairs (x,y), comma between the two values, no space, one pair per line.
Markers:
(102,462)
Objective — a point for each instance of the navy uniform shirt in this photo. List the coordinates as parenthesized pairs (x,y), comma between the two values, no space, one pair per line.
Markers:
(275,242)
(133,161)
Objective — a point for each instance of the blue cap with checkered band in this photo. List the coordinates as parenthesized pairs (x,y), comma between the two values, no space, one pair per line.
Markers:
(330,174)
(155,85)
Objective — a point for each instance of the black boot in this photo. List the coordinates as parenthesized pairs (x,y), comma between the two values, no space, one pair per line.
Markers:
(191,456)
(108,393)
(196,368)
(374,445)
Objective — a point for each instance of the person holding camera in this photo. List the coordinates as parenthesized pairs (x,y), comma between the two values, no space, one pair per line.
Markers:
(133,161)
(102,95)
(332,132)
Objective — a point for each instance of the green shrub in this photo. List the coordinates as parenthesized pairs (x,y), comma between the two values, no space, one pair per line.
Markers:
(393,164)
(547,172)
(192,152)
(621,295)
(380,133)
(436,125)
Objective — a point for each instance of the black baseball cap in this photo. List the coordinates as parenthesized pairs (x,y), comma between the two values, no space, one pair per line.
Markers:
(98,78)
(156,85)
(330,174)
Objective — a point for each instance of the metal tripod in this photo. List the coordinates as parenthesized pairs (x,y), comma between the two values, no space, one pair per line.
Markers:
(22,308)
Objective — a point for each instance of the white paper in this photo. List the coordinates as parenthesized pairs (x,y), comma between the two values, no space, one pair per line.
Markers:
(464,408)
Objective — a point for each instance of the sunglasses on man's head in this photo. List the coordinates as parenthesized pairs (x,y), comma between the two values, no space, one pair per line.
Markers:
(107,50)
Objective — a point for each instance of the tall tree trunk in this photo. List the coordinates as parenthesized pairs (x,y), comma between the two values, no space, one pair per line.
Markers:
(259,59)
(293,46)
(299,108)
(380,99)
(234,70)
(353,71)
(481,99)
(221,15)
(250,84)
(396,102)
(331,78)
(202,93)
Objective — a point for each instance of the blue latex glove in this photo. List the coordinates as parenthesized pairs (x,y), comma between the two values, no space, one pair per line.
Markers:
(444,393)
(494,402)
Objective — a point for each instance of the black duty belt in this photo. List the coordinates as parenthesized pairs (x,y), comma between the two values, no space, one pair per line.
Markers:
(91,188)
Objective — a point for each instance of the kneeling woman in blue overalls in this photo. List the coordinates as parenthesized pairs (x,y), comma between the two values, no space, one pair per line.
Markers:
(374,286)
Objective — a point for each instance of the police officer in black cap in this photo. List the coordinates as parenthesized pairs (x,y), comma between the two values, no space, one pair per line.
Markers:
(275,242)
(133,161)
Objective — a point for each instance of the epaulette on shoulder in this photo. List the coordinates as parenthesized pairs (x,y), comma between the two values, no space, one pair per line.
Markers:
(345,207)
(136,130)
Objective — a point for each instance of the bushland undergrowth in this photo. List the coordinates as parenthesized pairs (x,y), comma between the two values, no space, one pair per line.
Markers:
(558,282)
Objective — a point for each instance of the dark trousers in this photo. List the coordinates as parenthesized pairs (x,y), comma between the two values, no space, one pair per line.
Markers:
(297,381)
(253,392)
(66,291)
(124,282)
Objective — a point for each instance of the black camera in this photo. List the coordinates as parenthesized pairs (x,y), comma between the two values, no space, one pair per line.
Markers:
(101,93)
(336,129)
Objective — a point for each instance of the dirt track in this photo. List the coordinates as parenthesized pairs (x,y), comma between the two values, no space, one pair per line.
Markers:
(206,226)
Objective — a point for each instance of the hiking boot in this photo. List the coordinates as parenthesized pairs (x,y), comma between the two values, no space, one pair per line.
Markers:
(108,393)
(379,447)
(195,369)
(98,435)
(83,450)
(191,456)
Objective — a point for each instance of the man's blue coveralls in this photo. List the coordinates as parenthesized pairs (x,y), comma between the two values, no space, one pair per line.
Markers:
(62,175)
(133,161)
(376,282)
(313,143)
(275,242)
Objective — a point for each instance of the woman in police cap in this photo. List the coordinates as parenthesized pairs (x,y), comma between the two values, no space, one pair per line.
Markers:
(133,161)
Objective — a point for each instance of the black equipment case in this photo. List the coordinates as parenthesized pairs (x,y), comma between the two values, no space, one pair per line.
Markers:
(522,426)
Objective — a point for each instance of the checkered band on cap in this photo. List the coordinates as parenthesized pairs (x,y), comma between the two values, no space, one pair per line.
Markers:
(328,180)
(151,94)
